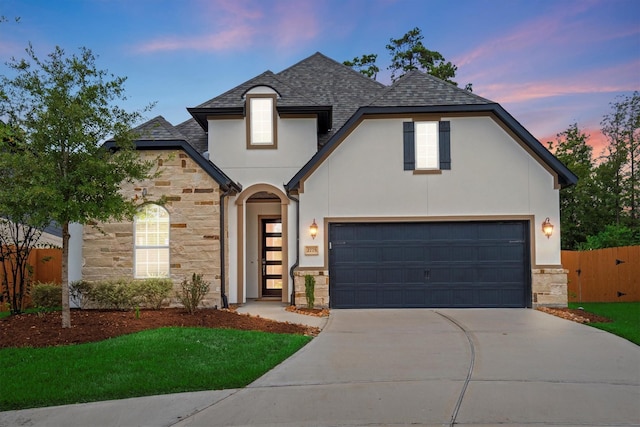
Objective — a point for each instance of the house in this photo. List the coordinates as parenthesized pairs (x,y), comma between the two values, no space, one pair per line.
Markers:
(417,194)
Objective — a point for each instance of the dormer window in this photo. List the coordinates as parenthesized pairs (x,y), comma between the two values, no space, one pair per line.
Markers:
(261,121)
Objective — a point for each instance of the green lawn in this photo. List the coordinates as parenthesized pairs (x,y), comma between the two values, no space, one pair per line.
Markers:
(160,361)
(625,316)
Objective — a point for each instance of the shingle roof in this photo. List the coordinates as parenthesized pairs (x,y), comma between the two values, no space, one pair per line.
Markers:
(419,89)
(195,135)
(332,83)
(322,81)
(235,97)
(158,129)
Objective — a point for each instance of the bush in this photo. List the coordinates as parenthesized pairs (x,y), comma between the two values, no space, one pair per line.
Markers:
(80,293)
(152,292)
(46,295)
(192,292)
(116,294)
(309,290)
(612,236)
(121,294)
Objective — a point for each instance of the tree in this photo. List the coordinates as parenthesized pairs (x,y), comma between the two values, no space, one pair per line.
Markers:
(408,53)
(21,224)
(366,65)
(64,107)
(622,128)
(578,218)
(612,236)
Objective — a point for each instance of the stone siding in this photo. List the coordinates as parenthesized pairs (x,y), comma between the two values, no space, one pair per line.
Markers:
(192,200)
(321,288)
(549,287)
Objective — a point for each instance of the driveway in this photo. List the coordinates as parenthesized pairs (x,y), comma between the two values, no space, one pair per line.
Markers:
(411,367)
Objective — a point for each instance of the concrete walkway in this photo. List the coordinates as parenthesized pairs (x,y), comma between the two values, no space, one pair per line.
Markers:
(275,310)
(410,367)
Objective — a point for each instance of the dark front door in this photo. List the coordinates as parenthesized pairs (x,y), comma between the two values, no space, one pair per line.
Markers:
(271,244)
(449,264)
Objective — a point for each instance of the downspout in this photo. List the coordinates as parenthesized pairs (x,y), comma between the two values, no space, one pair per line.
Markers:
(295,265)
(223,281)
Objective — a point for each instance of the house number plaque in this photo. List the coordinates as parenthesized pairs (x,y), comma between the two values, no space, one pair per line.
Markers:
(310,250)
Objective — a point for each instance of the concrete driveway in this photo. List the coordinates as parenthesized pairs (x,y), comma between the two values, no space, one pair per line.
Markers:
(410,367)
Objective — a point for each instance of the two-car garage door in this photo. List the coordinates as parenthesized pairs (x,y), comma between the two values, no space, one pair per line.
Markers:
(429,264)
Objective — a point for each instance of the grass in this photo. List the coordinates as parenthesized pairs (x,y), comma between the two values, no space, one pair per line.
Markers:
(160,361)
(625,316)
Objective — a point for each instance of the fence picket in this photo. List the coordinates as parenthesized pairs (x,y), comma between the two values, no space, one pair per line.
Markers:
(605,275)
(43,271)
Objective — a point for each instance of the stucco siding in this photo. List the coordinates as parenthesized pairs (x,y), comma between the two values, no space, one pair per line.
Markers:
(297,143)
(491,175)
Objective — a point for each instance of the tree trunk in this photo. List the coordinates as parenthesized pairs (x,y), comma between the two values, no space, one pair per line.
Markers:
(66,311)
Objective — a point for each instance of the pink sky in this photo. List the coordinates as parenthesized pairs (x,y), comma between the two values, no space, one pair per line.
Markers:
(549,63)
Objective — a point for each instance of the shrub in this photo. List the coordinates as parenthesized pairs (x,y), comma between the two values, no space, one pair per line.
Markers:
(80,292)
(152,292)
(114,294)
(46,295)
(612,236)
(309,289)
(192,292)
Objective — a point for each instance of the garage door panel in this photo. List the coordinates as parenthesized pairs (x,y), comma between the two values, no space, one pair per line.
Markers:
(366,254)
(457,264)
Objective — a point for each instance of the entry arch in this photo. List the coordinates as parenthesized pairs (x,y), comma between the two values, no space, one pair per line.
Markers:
(241,203)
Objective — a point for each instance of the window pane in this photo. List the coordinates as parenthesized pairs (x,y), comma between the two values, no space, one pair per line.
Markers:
(273,241)
(274,283)
(151,242)
(274,269)
(273,227)
(152,262)
(274,256)
(261,111)
(426,134)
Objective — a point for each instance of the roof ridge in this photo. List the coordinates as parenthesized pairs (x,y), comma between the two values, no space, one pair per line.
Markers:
(412,75)
(456,87)
(296,91)
(205,103)
(326,58)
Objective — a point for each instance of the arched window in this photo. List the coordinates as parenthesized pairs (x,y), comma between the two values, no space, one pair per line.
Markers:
(151,242)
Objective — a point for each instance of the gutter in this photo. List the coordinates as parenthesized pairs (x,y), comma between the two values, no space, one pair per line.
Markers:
(223,295)
(295,265)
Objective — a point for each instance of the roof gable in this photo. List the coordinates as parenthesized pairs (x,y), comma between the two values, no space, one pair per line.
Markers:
(159,134)
(158,129)
(565,176)
(418,89)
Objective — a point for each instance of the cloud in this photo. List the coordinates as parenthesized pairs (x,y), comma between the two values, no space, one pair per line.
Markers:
(551,44)
(243,25)
(625,78)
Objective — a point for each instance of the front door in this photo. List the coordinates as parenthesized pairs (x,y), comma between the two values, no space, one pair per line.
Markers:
(271,244)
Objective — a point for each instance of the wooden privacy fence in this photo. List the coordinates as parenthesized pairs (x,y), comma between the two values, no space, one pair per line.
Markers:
(603,275)
(47,268)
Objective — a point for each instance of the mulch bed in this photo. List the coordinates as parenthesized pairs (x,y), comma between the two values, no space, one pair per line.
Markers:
(317,312)
(575,315)
(44,329)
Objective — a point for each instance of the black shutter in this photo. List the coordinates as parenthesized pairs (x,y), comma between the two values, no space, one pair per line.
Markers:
(409,146)
(445,145)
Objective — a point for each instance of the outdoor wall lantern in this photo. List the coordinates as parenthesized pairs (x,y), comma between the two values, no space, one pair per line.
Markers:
(547,228)
(313,229)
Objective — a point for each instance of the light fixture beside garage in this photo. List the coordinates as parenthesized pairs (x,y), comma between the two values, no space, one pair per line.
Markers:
(313,229)
(547,228)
